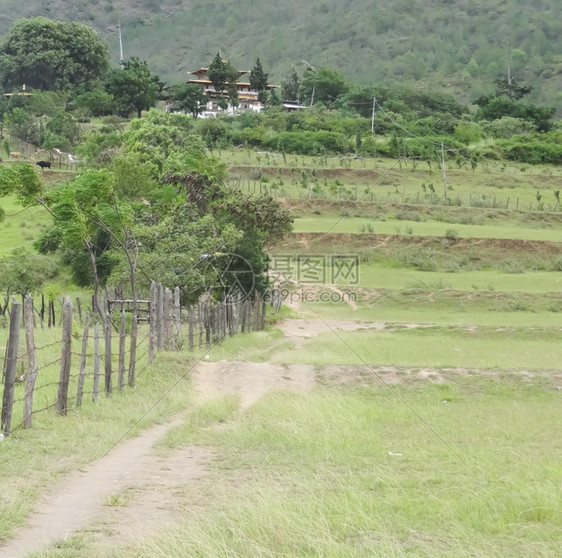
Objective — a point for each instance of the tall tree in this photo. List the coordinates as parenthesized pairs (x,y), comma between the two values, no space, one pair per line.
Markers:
(258,78)
(223,76)
(188,97)
(88,217)
(134,87)
(52,55)
(290,86)
(323,85)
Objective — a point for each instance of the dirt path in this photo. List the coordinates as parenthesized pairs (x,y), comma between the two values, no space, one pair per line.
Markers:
(83,496)
(132,491)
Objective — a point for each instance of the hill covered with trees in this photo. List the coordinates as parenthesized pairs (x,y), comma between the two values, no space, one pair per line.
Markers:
(462,46)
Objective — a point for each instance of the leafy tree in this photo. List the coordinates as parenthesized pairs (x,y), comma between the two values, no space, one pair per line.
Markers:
(134,176)
(324,85)
(507,126)
(52,55)
(157,136)
(22,125)
(86,211)
(468,132)
(258,78)
(23,181)
(261,216)
(25,273)
(45,103)
(223,76)
(133,87)
(188,97)
(65,125)
(173,249)
(493,108)
(511,89)
(95,103)
(290,86)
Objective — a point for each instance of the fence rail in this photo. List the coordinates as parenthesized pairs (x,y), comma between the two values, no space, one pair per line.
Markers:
(111,349)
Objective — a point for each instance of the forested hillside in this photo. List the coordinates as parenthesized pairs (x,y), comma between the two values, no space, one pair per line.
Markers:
(461,45)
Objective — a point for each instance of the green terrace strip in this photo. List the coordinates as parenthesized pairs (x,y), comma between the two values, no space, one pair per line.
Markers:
(448,253)
(491,185)
(420,213)
(336,224)
(430,312)
(354,473)
(409,345)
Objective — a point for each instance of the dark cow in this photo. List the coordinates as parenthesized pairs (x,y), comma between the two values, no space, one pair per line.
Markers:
(44,164)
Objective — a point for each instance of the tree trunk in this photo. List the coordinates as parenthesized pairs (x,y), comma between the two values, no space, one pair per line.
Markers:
(96,303)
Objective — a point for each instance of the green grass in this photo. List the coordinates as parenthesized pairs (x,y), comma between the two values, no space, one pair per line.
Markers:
(254,347)
(493,184)
(434,347)
(464,315)
(335,223)
(355,473)
(379,276)
(21,226)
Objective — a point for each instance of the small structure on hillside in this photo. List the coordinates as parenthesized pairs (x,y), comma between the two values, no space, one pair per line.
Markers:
(247,98)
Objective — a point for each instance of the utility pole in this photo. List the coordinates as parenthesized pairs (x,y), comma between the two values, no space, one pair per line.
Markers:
(509,76)
(121,57)
(444,173)
(373,116)
(312,98)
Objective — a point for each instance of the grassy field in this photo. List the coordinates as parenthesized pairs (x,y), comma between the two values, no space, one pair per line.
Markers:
(492,184)
(21,226)
(356,473)
(406,344)
(416,310)
(342,224)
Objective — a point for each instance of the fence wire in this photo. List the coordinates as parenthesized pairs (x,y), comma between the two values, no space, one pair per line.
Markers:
(206,323)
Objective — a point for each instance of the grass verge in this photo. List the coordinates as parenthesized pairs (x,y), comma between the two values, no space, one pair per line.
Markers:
(354,473)
(56,445)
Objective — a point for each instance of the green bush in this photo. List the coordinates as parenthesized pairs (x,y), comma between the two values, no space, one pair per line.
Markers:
(532,149)
(307,143)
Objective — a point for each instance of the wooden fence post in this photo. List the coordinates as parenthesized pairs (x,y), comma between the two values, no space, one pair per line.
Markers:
(42,311)
(133,351)
(66,354)
(107,355)
(122,337)
(243,317)
(177,319)
(160,316)
(11,365)
(263,312)
(208,323)
(200,321)
(191,319)
(31,362)
(168,323)
(153,323)
(236,313)
(257,312)
(79,306)
(96,387)
(83,355)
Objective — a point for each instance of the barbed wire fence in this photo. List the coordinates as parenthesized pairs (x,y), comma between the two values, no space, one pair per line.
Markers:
(56,376)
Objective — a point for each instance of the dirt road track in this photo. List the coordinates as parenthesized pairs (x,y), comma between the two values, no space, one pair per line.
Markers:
(132,471)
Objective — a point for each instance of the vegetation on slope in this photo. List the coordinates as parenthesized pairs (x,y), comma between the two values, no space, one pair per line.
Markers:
(461,46)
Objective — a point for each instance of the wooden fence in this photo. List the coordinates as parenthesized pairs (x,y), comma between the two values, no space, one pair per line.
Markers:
(48,379)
